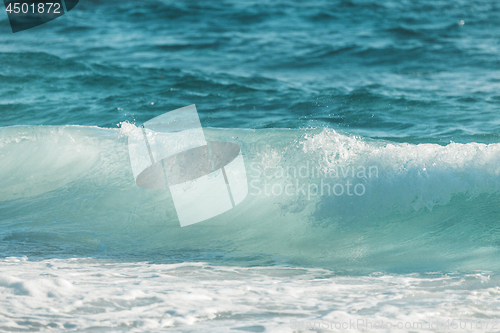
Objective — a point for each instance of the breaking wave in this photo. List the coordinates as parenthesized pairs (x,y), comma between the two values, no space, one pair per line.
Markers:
(316,198)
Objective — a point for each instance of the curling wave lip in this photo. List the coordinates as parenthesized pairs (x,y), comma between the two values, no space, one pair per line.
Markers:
(205,179)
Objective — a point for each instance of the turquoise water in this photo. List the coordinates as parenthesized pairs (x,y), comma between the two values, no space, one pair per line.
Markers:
(407,90)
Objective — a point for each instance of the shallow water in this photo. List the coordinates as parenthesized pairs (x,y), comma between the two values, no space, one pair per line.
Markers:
(91,295)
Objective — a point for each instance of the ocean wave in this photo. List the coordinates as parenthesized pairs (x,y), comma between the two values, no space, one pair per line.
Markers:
(72,187)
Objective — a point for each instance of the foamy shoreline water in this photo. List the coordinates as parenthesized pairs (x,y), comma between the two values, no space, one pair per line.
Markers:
(88,295)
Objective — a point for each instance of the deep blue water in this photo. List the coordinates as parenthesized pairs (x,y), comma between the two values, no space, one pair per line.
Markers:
(424,71)
(407,86)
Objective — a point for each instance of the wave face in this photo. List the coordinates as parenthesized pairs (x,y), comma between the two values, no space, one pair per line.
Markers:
(317,198)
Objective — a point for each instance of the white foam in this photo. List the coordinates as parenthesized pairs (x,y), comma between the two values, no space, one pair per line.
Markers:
(82,294)
(411,177)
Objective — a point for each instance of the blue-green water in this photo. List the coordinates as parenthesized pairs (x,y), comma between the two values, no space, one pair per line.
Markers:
(414,72)
(410,89)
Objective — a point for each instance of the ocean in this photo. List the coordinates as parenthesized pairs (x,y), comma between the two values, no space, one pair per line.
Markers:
(370,137)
